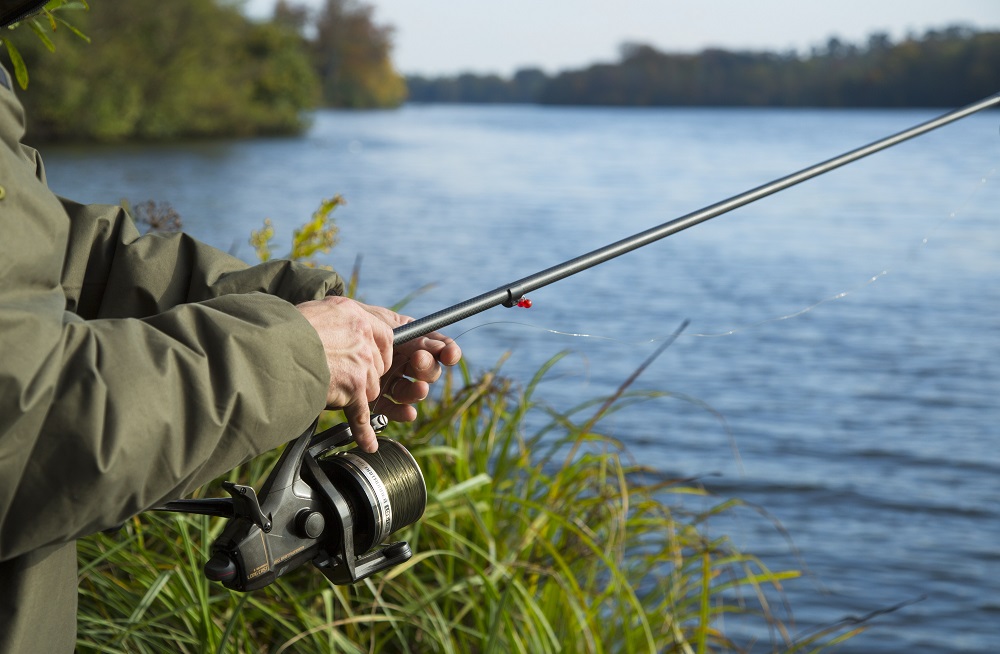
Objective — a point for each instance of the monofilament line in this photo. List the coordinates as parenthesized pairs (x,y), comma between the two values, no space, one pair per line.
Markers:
(509,294)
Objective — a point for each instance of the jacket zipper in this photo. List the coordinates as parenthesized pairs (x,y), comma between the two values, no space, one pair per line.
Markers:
(17,18)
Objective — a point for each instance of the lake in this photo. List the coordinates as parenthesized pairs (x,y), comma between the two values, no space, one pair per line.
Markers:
(842,366)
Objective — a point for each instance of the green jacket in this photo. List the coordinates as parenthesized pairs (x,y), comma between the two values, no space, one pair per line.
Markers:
(132,370)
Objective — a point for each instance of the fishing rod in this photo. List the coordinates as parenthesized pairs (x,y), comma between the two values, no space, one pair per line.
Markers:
(510,294)
(336,507)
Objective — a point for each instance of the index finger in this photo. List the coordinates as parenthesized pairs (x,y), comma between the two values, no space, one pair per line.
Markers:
(359,418)
(441,347)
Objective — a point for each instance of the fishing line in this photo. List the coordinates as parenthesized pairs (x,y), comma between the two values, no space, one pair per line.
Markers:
(556,332)
(399,475)
(684,397)
(794,314)
(914,251)
(514,293)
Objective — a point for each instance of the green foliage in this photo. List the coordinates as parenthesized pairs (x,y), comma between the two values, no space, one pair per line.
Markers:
(538,536)
(197,68)
(541,542)
(352,56)
(261,240)
(163,70)
(317,235)
(51,17)
(943,68)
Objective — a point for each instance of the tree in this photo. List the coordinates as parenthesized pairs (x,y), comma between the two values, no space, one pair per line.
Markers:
(162,70)
(352,57)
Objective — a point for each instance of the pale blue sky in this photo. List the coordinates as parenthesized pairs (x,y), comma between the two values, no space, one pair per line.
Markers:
(447,36)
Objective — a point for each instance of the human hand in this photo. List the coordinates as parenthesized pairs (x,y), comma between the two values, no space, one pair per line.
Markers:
(358,348)
(416,365)
(357,340)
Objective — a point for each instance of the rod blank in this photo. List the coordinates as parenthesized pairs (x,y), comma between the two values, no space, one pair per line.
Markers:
(510,293)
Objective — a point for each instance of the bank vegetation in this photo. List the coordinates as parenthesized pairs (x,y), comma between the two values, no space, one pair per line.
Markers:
(154,70)
(941,68)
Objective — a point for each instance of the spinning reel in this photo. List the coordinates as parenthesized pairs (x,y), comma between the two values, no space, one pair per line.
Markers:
(334,509)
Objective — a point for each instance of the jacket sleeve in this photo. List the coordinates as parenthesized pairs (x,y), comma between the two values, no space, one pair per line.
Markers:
(104,415)
(110,271)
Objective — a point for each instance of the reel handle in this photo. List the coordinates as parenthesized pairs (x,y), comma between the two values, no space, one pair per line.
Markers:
(220,507)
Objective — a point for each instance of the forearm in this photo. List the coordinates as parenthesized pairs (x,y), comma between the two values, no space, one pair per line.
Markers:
(127,413)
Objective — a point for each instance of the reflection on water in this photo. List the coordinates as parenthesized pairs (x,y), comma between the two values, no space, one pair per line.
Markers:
(866,425)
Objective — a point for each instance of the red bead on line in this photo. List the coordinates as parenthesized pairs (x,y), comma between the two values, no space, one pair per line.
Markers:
(524,303)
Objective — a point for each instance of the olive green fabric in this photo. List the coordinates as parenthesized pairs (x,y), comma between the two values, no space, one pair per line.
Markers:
(132,370)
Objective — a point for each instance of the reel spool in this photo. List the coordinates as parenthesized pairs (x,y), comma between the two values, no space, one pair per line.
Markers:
(333,509)
(385,491)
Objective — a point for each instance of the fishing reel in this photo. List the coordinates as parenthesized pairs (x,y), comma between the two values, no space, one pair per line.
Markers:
(333,509)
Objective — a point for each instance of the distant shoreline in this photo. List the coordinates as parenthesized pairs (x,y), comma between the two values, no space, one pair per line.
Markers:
(942,68)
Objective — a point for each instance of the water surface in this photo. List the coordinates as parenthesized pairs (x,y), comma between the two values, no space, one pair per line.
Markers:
(867,426)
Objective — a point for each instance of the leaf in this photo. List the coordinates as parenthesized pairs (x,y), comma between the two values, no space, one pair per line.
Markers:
(52,19)
(464,487)
(261,240)
(73,29)
(20,70)
(37,29)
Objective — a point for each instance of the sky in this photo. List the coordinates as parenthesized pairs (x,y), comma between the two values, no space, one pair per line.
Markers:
(441,37)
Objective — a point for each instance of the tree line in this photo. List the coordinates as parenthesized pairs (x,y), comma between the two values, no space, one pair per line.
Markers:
(158,70)
(945,67)
(154,70)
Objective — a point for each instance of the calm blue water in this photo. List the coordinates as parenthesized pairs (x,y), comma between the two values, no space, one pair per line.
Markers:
(867,426)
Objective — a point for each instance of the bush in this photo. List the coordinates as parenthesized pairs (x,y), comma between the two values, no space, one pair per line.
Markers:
(164,70)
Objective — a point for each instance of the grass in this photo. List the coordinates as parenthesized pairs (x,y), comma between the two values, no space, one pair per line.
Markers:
(540,535)
(548,541)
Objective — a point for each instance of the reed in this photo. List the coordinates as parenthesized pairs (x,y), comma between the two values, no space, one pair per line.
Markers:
(535,539)
(540,535)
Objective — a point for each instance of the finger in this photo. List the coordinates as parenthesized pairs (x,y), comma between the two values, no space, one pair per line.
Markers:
(359,418)
(399,412)
(373,384)
(423,366)
(442,348)
(432,343)
(451,354)
(409,364)
(383,352)
(424,356)
(405,391)
(387,316)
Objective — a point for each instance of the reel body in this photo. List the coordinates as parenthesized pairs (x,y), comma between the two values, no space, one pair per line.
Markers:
(334,510)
